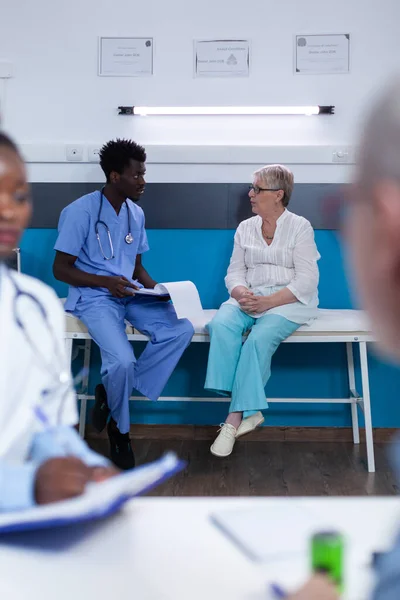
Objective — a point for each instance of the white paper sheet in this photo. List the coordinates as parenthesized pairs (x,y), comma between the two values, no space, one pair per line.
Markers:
(252,529)
(184,296)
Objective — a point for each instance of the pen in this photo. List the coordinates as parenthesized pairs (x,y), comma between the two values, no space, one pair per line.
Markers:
(277,591)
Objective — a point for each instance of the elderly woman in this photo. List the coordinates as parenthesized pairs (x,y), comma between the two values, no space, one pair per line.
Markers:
(272,280)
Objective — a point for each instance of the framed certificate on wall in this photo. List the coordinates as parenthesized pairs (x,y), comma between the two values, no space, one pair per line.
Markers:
(221,58)
(318,54)
(125,57)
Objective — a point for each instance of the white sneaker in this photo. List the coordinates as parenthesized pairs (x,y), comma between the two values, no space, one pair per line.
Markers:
(250,424)
(225,440)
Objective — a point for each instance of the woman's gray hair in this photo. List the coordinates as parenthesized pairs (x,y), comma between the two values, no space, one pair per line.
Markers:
(277,177)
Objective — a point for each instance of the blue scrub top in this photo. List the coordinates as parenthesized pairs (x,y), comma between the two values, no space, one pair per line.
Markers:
(77,236)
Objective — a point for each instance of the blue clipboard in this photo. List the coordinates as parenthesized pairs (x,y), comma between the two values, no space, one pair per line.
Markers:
(99,502)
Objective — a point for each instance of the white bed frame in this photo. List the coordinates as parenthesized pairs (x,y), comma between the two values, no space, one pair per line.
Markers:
(355,399)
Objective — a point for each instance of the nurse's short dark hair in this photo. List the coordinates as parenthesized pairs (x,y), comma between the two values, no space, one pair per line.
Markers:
(117,154)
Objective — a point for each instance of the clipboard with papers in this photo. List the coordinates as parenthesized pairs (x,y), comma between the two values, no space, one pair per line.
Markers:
(99,501)
(184,295)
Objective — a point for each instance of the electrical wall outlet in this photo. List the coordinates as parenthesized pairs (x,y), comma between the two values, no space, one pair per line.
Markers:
(94,153)
(74,152)
(341,155)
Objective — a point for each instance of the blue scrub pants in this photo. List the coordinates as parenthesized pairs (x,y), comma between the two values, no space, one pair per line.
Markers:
(121,372)
(243,370)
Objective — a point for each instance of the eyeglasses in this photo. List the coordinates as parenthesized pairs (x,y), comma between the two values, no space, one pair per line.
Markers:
(257,189)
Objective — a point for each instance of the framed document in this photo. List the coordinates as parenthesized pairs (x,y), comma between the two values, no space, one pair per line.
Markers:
(125,57)
(221,58)
(328,53)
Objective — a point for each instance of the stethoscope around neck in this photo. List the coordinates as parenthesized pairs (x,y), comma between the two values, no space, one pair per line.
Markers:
(128,238)
(56,373)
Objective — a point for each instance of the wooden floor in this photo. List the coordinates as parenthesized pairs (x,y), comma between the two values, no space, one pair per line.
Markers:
(269,469)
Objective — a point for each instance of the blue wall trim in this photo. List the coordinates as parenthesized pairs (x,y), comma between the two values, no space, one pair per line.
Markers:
(319,370)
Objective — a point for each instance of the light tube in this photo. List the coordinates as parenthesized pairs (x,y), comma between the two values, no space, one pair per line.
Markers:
(224,110)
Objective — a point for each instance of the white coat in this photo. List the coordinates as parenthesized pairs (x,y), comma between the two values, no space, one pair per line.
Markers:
(27,370)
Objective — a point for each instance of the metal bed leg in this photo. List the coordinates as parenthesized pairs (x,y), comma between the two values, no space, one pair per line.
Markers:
(353,393)
(367,407)
(85,388)
(82,418)
(82,413)
(68,349)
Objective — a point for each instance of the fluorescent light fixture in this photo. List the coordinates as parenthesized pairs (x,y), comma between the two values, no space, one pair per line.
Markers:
(224,110)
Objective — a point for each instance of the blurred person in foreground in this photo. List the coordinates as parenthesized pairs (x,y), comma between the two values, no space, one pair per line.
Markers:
(42,458)
(373,233)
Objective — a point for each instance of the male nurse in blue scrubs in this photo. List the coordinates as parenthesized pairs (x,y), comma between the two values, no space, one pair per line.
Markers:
(99,251)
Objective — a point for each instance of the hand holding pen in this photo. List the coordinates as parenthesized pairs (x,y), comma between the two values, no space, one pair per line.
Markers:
(319,587)
(64,475)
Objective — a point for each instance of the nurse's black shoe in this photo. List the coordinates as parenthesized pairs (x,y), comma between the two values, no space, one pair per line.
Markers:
(100,411)
(121,452)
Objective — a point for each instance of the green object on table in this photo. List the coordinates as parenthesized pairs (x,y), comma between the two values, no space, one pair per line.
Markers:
(327,556)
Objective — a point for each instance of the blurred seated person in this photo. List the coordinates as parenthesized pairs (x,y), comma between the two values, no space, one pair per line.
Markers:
(373,233)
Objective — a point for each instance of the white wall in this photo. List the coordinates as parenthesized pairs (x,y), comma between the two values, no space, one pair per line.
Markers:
(57,97)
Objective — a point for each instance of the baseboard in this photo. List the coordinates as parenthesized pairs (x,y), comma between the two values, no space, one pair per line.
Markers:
(263,434)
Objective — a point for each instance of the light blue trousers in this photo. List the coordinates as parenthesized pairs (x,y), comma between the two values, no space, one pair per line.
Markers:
(104,316)
(243,370)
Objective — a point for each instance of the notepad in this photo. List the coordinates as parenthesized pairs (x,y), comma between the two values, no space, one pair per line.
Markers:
(99,500)
(184,296)
(270,532)
(158,290)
